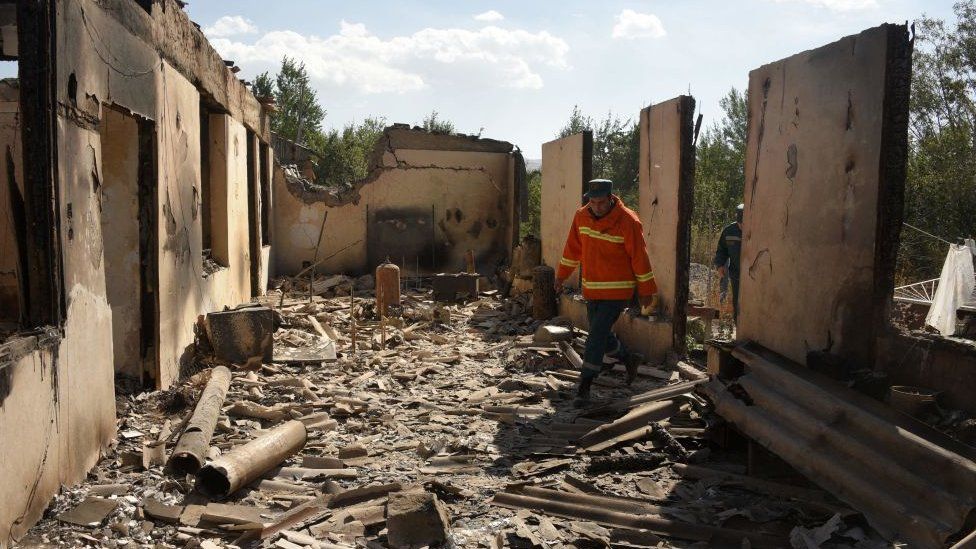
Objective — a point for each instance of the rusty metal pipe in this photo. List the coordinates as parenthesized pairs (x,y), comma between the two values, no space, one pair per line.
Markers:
(596,513)
(250,461)
(191,450)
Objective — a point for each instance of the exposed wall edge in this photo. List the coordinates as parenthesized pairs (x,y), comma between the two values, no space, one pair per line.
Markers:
(384,159)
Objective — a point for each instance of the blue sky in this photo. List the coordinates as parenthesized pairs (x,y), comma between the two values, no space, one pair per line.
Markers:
(518,69)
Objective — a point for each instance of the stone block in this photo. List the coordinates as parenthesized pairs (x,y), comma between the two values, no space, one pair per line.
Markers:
(451,287)
(239,334)
(416,519)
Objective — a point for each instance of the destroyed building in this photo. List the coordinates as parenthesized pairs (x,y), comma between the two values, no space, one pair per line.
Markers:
(428,200)
(137,188)
(236,354)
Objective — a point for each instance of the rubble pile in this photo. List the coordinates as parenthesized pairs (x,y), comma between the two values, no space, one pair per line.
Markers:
(448,425)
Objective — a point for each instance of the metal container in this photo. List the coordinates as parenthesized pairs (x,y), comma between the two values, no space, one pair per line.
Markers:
(387,290)
(914,401)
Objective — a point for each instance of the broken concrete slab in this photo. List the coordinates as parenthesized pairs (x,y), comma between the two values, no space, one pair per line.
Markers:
(240,334)
(550,334)
(91,512)
(162,511)
(416,519)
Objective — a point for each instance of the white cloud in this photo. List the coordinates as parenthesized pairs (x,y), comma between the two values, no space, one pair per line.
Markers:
(230,25)
(489,16)
(837,5)
(632,24)
(355,58)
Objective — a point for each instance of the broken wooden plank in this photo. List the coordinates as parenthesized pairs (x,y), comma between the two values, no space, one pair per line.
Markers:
(635,421)
(601,515)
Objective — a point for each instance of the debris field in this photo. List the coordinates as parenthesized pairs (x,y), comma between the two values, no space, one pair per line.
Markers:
(443,425)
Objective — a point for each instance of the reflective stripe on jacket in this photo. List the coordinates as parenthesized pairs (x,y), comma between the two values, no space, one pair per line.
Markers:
(612,253)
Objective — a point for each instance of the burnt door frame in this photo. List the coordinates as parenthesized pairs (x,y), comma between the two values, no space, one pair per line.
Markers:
(253,218)
(148,197)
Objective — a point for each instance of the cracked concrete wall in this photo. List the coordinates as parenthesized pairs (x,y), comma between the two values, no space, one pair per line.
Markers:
(426,206)
(666,187)
(9,164)
(58,397)
(822,177)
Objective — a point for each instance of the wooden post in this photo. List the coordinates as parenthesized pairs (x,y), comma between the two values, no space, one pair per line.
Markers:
(543,293)
(352,317)
(469,260)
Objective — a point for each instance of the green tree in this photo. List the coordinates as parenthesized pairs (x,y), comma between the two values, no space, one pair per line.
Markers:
(345,156)
(434,124)
(940,193)
(299,117)
(719,174)
(263,86)
(616,150)
(533,224)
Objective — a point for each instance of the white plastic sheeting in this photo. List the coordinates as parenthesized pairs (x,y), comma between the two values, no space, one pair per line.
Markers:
(956,285)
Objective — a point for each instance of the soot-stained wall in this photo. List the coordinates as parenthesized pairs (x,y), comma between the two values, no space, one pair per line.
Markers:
(825,168)
(429,199)
(57,396)
(667,177)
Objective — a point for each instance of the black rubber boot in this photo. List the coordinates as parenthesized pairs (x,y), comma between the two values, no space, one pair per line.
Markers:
(632,362)
(583,392)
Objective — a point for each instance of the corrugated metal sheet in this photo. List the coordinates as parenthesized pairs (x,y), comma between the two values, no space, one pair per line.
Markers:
(911,482)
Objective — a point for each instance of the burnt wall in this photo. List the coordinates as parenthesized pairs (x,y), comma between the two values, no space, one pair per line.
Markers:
(11,203)
(422,207)
(152,68)
(667,179)
(824,178)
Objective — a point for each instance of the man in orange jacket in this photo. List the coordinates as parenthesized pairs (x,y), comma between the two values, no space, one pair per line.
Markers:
(607,242)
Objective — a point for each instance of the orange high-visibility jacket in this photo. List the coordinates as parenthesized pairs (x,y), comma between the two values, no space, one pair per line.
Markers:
(612,252)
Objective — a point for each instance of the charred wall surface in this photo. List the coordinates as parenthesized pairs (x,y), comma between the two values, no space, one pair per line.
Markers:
(81,60)
(824,178)
(667,180)
(427,200)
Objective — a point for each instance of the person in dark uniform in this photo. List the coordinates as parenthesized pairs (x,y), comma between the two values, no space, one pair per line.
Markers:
(727,256)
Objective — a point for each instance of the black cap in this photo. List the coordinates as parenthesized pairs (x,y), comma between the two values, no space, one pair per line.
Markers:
(599,188)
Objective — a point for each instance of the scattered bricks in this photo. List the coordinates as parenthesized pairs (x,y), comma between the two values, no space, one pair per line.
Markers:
(451,287)
(416,519)
(240,334)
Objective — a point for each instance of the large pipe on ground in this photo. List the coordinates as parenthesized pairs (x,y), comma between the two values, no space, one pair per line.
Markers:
(191,451)
(250,461)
